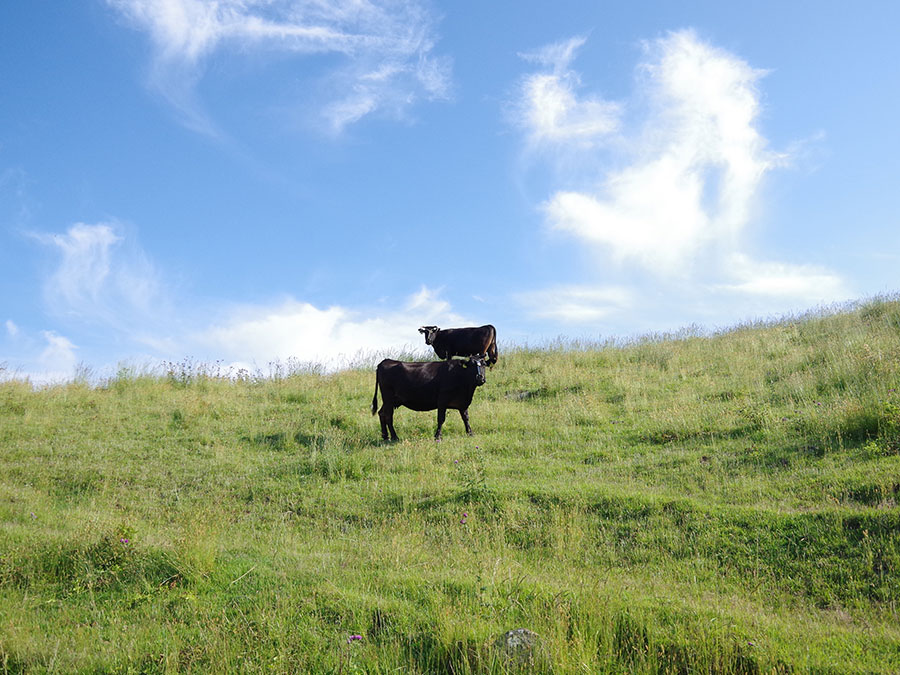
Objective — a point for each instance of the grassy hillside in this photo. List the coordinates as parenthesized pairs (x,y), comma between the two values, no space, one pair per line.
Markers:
(720,504)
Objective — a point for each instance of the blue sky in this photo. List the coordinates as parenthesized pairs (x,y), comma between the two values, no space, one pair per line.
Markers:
(253,181)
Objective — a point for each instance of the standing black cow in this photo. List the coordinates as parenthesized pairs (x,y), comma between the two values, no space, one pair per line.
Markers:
(426,386)
(452,342)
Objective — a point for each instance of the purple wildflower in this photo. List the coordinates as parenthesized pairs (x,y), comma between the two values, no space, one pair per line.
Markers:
(354,638)
(124,540)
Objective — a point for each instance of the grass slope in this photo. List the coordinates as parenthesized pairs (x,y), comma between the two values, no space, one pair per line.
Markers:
(720,504)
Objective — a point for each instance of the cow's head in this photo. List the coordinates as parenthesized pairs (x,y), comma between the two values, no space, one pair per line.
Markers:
(429,333)
(478,363)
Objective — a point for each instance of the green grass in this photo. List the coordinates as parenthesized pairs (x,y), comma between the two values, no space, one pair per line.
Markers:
(709,504)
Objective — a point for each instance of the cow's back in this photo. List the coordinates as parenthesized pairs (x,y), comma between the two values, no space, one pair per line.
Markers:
(468,341)
(415,385)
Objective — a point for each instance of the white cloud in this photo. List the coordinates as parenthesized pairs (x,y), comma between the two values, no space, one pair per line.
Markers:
(98,279)
(550,110)
(59,354)
(675,185)
(575,304)
(55,362)
(50,359)
(84,267)
(806,284)
(12,330)
(652,217)
(693,170)
(335,336)
(103,278)
(386,47)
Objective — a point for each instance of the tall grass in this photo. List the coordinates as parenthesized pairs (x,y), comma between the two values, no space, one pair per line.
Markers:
(692,503)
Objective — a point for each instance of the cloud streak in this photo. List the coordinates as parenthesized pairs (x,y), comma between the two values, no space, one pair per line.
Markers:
(780,280)
(385,47)
(575,304)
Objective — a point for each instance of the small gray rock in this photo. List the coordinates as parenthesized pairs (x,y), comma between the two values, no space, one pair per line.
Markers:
(520,395)
(519,646)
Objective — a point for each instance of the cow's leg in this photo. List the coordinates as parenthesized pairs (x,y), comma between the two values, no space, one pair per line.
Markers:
(386,414)
(390,421)
(465,418)
(382,415)
(442,415)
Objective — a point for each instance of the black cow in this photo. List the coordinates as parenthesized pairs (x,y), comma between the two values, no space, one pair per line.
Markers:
(452,342)
(426,386)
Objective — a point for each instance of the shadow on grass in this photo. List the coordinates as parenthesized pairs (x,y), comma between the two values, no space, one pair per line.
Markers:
(830,557)
(276,441)
(625,644)
(109,562)
(669,436)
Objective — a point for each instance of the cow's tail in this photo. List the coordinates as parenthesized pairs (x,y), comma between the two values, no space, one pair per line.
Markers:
(375,397)
(492,348)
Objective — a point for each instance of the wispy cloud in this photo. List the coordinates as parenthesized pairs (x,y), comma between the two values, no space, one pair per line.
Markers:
(100,276)
(57,360)
(691,172)
(677,178)
(576,304)
(44,358)
(549,108)
(386,49)
(804,283)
